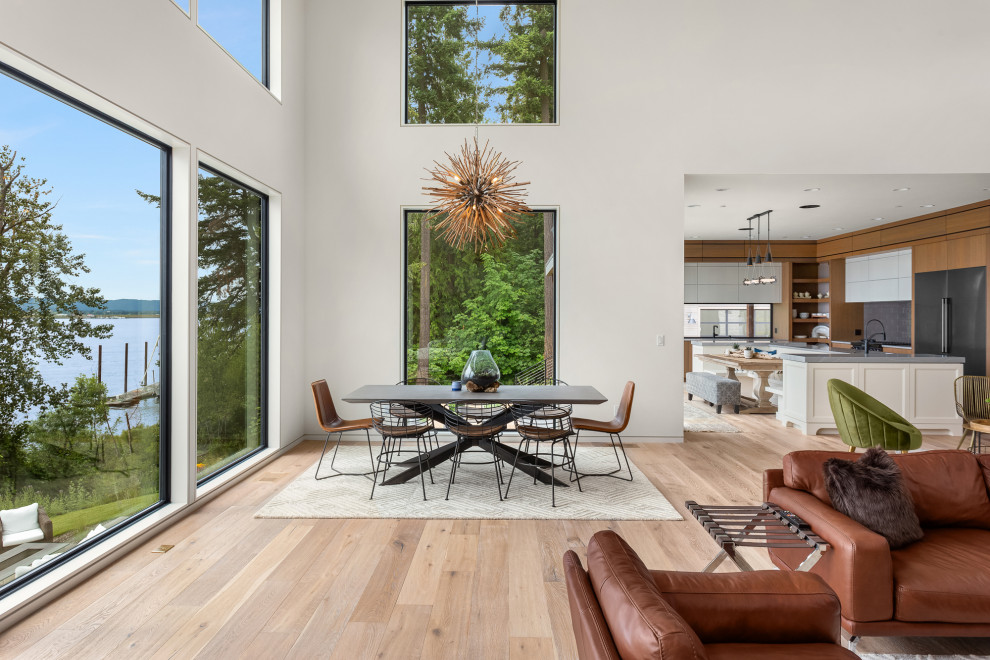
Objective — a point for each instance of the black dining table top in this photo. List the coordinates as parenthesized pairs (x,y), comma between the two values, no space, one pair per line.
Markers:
(438,394)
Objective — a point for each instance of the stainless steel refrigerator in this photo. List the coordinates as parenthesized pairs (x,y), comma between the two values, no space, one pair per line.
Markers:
(950,315)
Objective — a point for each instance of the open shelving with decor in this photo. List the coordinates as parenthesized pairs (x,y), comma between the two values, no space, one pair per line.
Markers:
(809,296)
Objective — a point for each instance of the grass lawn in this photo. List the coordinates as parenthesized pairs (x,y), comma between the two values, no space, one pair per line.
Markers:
(80,520)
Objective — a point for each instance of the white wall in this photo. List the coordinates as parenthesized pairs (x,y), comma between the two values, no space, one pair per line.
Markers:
(649,90)
(148,63)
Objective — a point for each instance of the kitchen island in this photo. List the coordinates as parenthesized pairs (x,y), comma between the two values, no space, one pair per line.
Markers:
(918,387)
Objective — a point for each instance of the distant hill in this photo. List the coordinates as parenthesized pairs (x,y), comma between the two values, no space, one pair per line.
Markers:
(121,307)
(125,306)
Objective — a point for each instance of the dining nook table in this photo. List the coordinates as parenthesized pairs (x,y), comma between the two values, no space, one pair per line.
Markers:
(433,398)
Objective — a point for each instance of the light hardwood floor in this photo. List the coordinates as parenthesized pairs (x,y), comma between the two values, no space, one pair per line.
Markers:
(239,587)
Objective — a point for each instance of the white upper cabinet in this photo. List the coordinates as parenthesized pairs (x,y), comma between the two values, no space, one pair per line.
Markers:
(713,283)
(883,267)
(690,283)
(857,269)
(879,277)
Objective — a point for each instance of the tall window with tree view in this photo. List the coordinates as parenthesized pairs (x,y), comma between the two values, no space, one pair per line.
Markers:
(231,387)
(490,63)
(80,328)
(458,299)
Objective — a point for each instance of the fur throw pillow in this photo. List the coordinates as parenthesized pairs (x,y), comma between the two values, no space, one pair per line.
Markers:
(872,492)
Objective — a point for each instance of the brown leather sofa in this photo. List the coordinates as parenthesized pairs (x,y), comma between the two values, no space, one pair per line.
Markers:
(620,609)
(938,586)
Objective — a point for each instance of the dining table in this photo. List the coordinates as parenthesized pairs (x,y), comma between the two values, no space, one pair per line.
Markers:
(760,367)
(433,398)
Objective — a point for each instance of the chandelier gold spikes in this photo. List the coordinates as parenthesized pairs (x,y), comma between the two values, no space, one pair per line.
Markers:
(477,197)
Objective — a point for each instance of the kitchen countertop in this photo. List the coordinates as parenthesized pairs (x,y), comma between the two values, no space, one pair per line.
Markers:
(843,355)
(700,341)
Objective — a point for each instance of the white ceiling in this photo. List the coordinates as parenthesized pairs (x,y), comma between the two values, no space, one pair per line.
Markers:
(849,202)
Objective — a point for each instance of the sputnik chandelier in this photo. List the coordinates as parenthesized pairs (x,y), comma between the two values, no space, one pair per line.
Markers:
(756,273)
(476,194)
(477,197)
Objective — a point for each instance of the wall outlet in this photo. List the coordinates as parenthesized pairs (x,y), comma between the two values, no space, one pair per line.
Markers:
(661,340)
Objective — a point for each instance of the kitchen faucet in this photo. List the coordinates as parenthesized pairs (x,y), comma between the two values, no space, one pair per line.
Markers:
(869,338)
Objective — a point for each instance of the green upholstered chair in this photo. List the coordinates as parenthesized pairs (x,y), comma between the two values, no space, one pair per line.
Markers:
(865,422)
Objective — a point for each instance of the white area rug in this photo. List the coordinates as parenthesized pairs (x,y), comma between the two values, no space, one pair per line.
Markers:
(473,495)
(699,420)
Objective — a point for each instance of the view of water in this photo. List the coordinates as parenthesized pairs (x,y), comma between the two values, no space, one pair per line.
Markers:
(131,331)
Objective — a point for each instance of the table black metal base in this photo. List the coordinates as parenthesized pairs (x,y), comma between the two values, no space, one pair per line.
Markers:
(531,465)
(528,463)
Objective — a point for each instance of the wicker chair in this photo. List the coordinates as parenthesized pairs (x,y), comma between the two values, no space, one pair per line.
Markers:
(23,535)
(972,393)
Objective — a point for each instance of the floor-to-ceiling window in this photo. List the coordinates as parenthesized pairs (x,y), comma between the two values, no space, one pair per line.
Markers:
(457,300)
(83,350)
(232,336)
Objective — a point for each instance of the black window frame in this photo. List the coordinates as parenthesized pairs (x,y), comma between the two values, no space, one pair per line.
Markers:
(469,3)
(404,325)
(263,415)
(165,319)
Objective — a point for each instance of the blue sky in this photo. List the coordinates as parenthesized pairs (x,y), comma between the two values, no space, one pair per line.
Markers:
(237,26)
(93,170)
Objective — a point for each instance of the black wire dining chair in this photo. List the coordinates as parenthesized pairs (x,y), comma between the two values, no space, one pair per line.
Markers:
(394,428)
(545,423)
(473,423)
(399,411)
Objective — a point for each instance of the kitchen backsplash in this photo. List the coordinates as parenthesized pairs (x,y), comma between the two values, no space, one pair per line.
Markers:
(895,316)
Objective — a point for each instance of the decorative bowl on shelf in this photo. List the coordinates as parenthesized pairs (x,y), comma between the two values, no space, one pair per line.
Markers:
(820,331)
(800,336)
(804,315)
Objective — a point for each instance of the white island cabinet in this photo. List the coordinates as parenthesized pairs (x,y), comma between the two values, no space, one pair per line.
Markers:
(920,388)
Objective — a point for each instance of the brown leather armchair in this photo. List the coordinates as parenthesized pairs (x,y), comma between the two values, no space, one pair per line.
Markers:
(938,586)
(620,609)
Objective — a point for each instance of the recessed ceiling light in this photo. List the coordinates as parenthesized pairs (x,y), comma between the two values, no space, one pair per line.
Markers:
(806,237)
(722,206)
(877,219)
(836,228)
(927,206)
(695,237)
(693,206)
(812,189)
(810,206)
(721,189)
(901,189)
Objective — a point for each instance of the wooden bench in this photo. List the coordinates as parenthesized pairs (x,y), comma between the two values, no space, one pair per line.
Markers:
(717,390)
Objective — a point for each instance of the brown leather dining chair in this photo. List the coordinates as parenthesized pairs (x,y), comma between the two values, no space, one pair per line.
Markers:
(614,428)
(331,422)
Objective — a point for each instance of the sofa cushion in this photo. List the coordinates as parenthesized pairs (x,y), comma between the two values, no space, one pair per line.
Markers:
(948,486)
(642,623)
(22,537)
(945,577)
(20,520)
(872,492)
